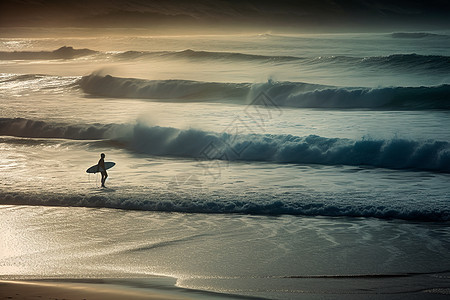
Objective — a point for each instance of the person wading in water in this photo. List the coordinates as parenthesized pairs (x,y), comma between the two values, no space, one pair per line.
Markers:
(101,168)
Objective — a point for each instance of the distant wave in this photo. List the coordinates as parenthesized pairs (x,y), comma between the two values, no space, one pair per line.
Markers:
(417,35)
(61,53)
(409,62)
(70,53)
(393,153)
(290,94)
(41,81)
(205,55)
(400,62)
(20,127)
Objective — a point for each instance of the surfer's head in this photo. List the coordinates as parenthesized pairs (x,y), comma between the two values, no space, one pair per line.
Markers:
(102,155)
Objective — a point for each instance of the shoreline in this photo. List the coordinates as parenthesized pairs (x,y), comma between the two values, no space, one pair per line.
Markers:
(102,289)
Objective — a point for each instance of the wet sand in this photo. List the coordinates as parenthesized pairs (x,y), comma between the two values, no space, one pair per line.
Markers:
(80,291)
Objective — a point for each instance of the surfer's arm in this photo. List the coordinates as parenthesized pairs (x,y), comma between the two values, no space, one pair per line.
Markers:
(101,164)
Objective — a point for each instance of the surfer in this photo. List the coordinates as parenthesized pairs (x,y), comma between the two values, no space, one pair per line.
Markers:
(101,168)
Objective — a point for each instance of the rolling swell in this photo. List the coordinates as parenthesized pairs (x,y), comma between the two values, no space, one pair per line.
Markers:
(417,35)
(409,62)
(393,153)
(386,98)
(289,94)
(61,53)
(19,127)
(206,55)
(117,87)
(398,62)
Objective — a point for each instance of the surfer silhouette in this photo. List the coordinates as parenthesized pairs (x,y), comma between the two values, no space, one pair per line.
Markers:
(101,168)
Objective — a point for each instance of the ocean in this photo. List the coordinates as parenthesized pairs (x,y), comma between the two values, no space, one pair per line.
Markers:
(274,166)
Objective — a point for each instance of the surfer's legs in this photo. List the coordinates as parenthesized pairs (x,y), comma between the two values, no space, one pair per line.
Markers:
(104,176)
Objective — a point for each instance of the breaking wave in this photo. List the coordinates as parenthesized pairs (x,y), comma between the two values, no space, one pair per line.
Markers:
(290,94)
(395,153)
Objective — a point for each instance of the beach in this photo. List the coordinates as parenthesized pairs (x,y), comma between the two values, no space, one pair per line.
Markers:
(33,290)
(86,290)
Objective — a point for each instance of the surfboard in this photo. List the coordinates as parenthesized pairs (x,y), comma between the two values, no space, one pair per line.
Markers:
(108,165)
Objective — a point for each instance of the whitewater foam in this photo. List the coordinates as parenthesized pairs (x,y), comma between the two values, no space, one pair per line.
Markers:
(166,201)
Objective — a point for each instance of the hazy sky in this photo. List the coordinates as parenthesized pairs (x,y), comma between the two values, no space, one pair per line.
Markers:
(303,15)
